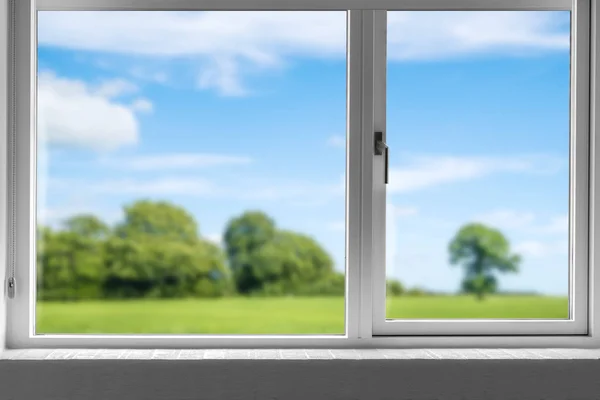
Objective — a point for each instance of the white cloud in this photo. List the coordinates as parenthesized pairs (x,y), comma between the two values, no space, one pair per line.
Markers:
(232,39)
(424,172)
(222,74)
(399,212)
(437,35)
(507,219)
(145,75)
(558,224)
(115,88)
(142,105)
(56,215)
(228,42)
(543,237)
(215,238)
(293,193)
(258,36)
(541,249)
(157,187)
(526,222)
(297,193)
(178,161)
(74,114)
(337,141)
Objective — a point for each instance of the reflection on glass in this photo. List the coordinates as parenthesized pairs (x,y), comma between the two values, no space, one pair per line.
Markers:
(191,172)
(478,199)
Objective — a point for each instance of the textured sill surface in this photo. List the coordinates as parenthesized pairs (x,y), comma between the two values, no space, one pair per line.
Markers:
(301,354)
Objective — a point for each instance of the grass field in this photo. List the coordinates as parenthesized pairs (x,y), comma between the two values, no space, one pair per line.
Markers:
(310,315)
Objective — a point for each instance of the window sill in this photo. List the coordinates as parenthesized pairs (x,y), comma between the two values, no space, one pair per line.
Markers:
(303,354)
(298,374)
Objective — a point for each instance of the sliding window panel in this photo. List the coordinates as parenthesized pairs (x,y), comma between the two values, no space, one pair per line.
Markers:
(486,201)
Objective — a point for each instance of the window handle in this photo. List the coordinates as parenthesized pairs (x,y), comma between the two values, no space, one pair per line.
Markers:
(380,148)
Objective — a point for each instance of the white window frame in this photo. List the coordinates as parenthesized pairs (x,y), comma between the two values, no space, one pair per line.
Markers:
(365,237)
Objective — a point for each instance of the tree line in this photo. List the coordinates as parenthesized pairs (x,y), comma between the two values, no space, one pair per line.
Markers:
(157,251)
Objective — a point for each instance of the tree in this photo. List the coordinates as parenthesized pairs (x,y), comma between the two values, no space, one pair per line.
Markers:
(70,266)
(212,277)
(158,252)
(87,225)
(483,252)
(155,252)
(394,287)
(128,274)
(289,263)
(156,268)
(268,261)
(162,220)
(244,236)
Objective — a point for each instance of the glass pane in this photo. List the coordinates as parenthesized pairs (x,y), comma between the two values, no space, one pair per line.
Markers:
(478,199)
(191,172)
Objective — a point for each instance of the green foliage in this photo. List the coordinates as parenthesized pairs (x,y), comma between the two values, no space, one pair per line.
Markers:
(482,252)
(244,236)
(157,252)
(127,274)
(146,219)
(394,288)
(155,268)
(268,261)
(70,266)
(88,226)
(289,262)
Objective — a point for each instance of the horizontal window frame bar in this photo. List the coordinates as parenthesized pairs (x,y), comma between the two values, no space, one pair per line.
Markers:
(321,5)
(484,327)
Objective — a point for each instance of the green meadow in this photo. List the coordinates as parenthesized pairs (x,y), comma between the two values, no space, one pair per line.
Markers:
(270,315)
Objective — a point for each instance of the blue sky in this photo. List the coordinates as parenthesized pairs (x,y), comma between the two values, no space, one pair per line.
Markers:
(223,112)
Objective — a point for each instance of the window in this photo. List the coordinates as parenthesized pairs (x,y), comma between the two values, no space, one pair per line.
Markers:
(481,178)
(305,174)
(174,178)
(483,133)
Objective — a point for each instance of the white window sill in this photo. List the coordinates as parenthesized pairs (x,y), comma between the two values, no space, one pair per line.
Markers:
(302,354)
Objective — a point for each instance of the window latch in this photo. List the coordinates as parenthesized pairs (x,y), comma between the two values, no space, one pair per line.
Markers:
(380,148)
(11,287)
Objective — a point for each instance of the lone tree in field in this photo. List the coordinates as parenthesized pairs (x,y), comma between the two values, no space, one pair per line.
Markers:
(482,251)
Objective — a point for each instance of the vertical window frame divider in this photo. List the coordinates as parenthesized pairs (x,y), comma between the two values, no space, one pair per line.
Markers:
(367,230)
(21,162)
(594,248)
(378,212)
(354,185)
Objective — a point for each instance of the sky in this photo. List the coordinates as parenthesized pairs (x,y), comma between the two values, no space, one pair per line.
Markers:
(224,112)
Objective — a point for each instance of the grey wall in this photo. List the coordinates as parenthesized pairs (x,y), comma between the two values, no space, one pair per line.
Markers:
(300,380)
